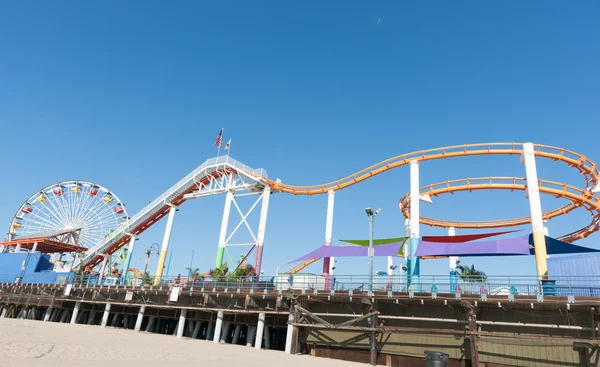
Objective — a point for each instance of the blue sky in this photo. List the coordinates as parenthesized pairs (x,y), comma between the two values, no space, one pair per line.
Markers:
(131,95)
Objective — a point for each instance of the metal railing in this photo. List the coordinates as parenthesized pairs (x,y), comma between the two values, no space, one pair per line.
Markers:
(474,286)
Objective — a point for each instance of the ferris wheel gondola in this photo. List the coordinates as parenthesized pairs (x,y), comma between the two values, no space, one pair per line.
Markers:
(76,205)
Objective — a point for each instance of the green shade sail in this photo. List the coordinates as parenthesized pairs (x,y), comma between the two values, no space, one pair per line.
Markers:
(381,241)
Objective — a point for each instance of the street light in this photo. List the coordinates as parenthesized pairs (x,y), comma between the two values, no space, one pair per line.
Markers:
(148,252)
(371,215)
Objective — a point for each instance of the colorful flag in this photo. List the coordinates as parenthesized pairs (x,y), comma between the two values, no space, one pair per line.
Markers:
(219,140)
(228,144)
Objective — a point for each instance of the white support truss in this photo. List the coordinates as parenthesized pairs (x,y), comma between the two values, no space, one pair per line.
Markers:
(238,184)
(243,221)
(213,177)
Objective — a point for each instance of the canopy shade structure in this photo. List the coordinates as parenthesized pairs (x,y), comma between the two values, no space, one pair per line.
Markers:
(459,238)
(464,237)
(376,242)
(522,245)
(391,249)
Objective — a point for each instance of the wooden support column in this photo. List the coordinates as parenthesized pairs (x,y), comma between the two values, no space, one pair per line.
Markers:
(474,338)
(291,339)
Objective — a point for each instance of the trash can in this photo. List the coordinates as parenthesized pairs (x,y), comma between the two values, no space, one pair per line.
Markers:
(436,359)
(549,287)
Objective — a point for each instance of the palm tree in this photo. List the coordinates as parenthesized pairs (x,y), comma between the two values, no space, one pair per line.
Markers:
(471,275)
(221,271)
(249,271)
(147,278)
(194,273)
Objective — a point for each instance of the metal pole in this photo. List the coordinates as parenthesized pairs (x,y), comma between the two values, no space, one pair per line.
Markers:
(102,270)
(328,231)
(371,218)
(453,261)
(165,245)
(535,209)
(373,360)
(224,225)
(262,227)
(128,260)
(190,268)
(169,263)
(147,262)
(413,263)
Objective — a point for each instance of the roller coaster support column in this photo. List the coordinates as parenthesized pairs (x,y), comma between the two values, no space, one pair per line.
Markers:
(165,245)
(413,262)
(535,210)
(132,240)
(262,226)
(224,225)
(102,269)
(453,262)
(328,262)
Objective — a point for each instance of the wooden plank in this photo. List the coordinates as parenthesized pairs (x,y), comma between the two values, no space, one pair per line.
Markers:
(315,317)
(355,320)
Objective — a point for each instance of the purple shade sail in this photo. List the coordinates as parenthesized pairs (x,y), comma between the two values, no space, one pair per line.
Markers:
(508,246)
(391,249)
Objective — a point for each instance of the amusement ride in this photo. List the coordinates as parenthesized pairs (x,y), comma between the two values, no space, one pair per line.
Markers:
(99,224)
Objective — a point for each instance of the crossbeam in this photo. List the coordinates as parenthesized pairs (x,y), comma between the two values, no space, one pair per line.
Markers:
(313,316)
(355,320)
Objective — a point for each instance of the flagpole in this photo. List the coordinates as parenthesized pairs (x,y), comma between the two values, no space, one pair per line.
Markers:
(219,148)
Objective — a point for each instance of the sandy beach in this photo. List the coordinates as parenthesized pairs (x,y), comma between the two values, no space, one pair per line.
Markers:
(36,343)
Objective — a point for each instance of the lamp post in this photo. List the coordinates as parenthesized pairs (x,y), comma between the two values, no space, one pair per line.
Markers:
(148,252)
(190,268)
(371,215)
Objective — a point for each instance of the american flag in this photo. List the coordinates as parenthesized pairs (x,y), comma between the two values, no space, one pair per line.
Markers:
(219,140)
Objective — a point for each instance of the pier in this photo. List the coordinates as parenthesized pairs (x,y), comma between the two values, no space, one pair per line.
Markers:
(395,327)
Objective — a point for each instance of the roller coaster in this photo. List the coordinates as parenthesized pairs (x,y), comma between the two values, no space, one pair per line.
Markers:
(223,174)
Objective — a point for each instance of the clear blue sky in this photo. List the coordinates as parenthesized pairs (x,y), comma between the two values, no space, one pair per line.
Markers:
(131,95)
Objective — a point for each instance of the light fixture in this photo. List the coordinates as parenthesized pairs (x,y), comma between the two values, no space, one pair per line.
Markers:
(369,211)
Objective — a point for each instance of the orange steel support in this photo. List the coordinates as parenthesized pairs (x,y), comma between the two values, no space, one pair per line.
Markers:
(302,265)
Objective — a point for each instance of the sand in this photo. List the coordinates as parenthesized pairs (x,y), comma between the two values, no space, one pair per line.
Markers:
(37,343)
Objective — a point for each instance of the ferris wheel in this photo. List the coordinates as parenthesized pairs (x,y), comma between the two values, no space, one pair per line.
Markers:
(86,206)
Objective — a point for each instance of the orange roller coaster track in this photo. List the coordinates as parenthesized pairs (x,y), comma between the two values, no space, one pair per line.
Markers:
(585,166)
(578,197)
